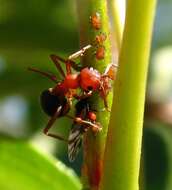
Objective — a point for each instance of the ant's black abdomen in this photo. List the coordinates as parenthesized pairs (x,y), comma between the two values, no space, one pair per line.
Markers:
(82,105)
(50,103)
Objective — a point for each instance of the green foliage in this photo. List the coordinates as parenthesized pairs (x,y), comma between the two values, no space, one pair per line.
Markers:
(25,168)
(39,25)
(157,146)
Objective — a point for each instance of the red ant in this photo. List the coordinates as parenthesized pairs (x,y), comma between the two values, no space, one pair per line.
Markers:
(56,101)
(84,119)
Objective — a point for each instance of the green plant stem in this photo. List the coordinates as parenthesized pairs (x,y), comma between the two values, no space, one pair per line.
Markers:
(123,147)
(116,22)
(94,144)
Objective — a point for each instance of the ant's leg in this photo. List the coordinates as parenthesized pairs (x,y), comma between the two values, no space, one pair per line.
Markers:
(97,127)
(81,121)
(50,124)
(83,96)
(103,95)
(56,59)
(110,71)
(50,76)
(75,66)
(106,104)
(76,55)
(79,53)
(68,63)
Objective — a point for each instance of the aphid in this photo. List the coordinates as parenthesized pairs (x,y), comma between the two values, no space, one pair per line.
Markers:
(95,21)
(100,38)
(109,74)
(84,120)
(100,53)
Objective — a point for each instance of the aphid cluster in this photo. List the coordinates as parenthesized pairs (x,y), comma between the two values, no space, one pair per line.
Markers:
(100,38)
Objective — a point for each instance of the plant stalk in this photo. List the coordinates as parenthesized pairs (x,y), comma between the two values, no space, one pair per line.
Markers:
(123,147)
(94,144)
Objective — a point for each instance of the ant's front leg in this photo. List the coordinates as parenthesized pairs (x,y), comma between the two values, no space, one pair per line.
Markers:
(86,124)
(106,104)
(68,63)
(110,71)
(103,94)
(79,53)
(50,124)
(76,55)
(96,127)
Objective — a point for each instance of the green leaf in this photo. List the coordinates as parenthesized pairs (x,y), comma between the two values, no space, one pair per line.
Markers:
(157,144)
(23,167)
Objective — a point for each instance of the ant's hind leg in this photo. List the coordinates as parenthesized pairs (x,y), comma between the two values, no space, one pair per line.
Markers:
(50,124)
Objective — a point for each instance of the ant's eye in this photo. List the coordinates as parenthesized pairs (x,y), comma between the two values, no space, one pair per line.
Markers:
(89,88)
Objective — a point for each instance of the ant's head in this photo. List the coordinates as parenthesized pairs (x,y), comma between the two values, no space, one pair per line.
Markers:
(50,103)
(90,79)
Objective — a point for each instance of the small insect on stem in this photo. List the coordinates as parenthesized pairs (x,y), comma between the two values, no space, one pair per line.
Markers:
(100,53)
(95,21)
(100,38)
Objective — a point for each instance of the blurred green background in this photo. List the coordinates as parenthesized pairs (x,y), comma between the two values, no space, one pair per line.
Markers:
(29,32)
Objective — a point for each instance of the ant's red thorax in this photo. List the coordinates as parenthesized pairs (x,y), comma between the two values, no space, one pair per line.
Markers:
(71,81)
(89,79)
